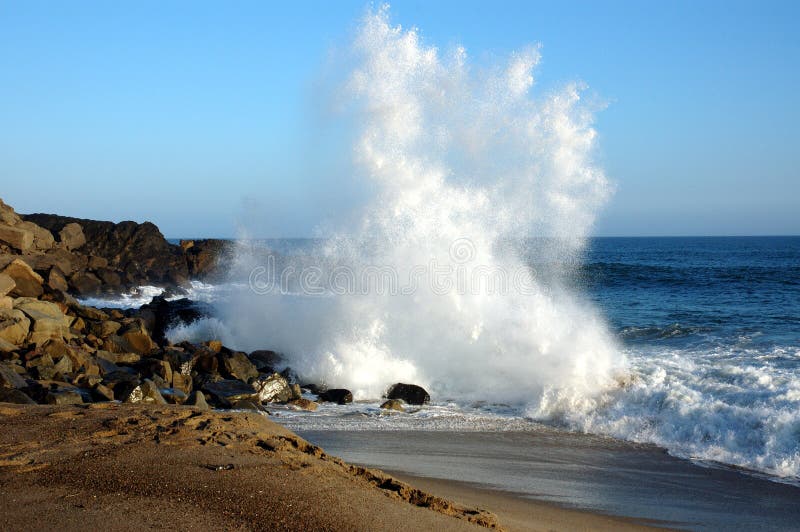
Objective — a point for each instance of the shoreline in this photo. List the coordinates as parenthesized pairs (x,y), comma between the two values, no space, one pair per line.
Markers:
(121,467)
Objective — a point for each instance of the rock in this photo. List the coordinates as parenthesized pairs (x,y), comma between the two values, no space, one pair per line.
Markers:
(7,347)
(97,262)
(101,392)
(248,405)
(13,395)
(182,382)
(18,238)
(168,313)
(121,381)
(14,326)
(204,257)
(214,345)
(9,378)
(118,358)
(71,236)
(7,214)
(297,393)
(6,303)
(56,280)
(236,365)
(146,392)
(139,250)
(85,283)
(304,404)
(89,313)
(63,397)
(265,361)
(111,280)
(198,400)
(27,282)
(336,395)
(227,392)
(132,337)
(273,389)
(42,238)
(393,404)
(410,393)
(173,395)
(105,328)
(47,320)
(7,284)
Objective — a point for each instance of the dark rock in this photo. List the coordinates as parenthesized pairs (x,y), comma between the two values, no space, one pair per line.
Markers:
(336,395)
(227,392)
(410,393)
(273,389)
(266,361)
(236,365)
(10,378)
(140,250)
(101,392)
(63,397)
(204,258)
(85,283)
(13,395)
(71,236)
(173,395)
(166,314)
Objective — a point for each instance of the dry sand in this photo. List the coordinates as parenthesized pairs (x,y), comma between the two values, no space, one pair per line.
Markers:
(126,467)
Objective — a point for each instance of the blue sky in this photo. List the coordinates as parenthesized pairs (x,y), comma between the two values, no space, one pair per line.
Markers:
(196,115)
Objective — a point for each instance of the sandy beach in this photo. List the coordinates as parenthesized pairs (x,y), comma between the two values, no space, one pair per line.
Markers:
(128,467)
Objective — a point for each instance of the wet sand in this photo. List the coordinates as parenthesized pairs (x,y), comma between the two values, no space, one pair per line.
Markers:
(557,469)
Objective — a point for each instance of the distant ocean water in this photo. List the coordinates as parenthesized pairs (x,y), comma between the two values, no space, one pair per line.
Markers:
(710,328)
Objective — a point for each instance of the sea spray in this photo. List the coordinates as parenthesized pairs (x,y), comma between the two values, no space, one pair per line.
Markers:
(423,288)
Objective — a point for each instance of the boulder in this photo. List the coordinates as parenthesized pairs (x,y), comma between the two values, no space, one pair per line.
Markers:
(140,250)
(101,392)
(42,238)
(118,358)
(7,347)
(27,282)
(265,361)
(297,393)
(254,406)
(236,365)
(6,302)
(16,237)
(336,395)
(227,391)
(410,393)
(63,396)
(105,328)
(204,257)
(7,214)
(166,313)
(85,283)
(132,337)
(273,389)
(71,236)
(7,284)
(9,378)
(146,392)
(181,382)
(56,280)
(198,400)
(13,395)
(47,320)
(393,404)
(304,404)
(14,326)
(173,396)
(121,381)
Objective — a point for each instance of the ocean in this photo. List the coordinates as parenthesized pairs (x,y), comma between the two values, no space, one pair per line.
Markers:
(708,329)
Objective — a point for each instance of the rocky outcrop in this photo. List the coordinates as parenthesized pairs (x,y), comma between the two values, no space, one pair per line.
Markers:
(410,393)
(137,252)
(205,258)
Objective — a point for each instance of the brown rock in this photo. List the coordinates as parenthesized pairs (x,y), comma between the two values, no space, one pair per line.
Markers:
(136,336)
(198,400)
(6,302)
(102,393)
(146,392)
(7,347)
(7,214)
(71,236)
(304,404)
(96,262)
(42,238)
(27,282)
(85,283)
(181,382)
(56,280)
(47,320)
(14,326)
(236,365)
(7,284)
(63,397)
(393,404)
(18,238)
(214,345)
